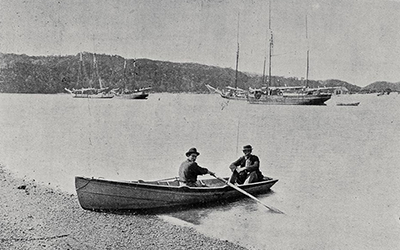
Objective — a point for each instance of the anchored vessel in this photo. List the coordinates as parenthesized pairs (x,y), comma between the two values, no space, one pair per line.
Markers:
(83,79)
(309,97)
(301,95)
(129,90)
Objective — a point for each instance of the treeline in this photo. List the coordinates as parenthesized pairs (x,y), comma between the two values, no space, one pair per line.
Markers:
(381,87)
(51,74)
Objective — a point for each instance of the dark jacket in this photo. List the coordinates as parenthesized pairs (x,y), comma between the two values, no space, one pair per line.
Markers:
(242,162)
(189,171)
(242,176)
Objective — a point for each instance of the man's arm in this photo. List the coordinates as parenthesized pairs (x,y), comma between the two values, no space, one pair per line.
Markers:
(199,170)
(235,165)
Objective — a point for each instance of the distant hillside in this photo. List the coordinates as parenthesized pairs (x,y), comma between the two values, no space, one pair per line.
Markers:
(381,87)
(336,83)
(51,74)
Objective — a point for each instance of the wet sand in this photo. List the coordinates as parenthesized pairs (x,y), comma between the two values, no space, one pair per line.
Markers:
(36,216)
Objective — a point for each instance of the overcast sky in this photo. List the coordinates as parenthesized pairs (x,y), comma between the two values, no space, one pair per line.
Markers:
(357,41)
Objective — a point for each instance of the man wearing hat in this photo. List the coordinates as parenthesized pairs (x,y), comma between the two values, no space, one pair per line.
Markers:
(189,170)
(246,168)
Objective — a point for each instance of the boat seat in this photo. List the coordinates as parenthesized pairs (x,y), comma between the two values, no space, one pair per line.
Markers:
(174,183)
(202,183)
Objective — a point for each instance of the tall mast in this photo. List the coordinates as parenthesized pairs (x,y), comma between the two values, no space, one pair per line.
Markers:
(237,53)
(308,55)
(85,76)
(271,45)
(134,75)
(125,77)
(263,76)
(265,57)
(79,84)
(96,71)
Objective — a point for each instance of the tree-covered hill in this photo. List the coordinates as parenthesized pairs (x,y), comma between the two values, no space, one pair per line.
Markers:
(51,74)
(338,83)
(381,86)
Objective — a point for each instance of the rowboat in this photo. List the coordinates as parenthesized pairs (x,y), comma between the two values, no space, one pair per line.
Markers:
(111,195)
(348,104)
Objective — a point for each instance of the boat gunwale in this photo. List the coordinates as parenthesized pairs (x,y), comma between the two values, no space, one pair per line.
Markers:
(184,189)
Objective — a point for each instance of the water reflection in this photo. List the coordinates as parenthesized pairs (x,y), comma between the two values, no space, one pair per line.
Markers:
(195,215)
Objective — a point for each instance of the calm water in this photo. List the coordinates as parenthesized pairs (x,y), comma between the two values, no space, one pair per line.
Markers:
(338,167)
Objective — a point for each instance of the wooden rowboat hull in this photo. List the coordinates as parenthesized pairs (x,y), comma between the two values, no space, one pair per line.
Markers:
(110,195)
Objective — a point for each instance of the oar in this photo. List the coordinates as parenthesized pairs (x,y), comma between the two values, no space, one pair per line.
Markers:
(249,195)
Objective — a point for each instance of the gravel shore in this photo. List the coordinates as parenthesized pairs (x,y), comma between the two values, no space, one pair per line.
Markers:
(34,216)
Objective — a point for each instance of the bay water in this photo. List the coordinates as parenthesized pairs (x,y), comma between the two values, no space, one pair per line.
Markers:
(338,166)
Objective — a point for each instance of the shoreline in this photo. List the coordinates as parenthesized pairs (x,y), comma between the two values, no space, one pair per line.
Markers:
(38,217)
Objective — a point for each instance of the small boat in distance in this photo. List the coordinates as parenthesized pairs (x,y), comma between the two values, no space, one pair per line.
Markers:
(213,90)
(234,93)
(348,104)
(229,92)
(110,195)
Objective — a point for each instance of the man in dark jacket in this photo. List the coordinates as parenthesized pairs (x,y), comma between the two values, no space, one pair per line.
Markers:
(246,168)
(189,170)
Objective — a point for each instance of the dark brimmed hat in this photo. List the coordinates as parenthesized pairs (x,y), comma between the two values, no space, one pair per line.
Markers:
(192,151)
(247,147)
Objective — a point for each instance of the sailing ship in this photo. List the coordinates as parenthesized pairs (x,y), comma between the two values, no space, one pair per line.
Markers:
(89,91)
(141,93)
(301,95)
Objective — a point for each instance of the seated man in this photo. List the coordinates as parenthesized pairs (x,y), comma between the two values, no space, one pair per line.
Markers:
(189,170)
(246,168)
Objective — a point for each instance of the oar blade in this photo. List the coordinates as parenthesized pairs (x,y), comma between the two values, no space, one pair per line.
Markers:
(275,210)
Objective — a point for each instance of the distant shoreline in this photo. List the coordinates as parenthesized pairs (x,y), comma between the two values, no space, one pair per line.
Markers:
(52,74)
(36,217)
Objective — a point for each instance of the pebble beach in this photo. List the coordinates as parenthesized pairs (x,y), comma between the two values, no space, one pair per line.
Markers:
(37,216)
